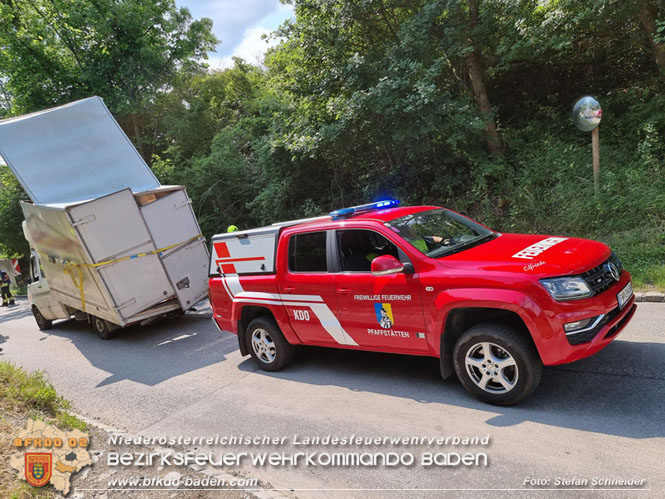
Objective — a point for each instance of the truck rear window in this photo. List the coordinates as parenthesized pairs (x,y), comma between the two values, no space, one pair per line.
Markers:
(307,252)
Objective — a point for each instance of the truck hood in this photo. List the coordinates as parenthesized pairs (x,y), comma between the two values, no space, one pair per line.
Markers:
(537,255)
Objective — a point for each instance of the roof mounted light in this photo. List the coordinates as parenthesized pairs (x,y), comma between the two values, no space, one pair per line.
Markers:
(363,208)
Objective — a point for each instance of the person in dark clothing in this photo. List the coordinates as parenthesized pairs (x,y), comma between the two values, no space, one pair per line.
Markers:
(7,298)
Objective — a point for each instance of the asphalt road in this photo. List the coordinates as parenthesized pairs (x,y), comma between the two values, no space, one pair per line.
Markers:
(603,417)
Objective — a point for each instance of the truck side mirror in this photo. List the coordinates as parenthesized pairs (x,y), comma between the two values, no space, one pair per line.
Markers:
(386,265)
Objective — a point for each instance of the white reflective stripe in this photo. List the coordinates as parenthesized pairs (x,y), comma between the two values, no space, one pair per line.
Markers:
(320,309)
(226,288)
(322,312)
(236,290)
(233,282)
(331,324)
(273,302)
(275,296)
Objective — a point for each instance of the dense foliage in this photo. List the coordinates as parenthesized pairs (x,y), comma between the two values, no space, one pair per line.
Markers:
(464,103)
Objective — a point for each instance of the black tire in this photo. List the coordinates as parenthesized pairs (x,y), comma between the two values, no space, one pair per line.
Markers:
(270,351)
(510,372)
(42,322)
(101,327)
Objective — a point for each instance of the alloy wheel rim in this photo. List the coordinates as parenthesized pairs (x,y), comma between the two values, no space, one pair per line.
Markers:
(263,345)
(491,367)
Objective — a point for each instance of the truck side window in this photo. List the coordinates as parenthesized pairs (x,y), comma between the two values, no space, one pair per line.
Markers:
(35,267)
(307,252)
(357,249)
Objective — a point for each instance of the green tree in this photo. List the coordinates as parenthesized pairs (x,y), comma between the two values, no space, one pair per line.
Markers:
(56,51)
(12,242)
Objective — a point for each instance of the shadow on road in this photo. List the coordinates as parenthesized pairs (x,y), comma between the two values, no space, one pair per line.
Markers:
(15,312)
(619,391)
(170,347)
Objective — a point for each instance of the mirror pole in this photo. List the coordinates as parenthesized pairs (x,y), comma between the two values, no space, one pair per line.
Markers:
(595,146)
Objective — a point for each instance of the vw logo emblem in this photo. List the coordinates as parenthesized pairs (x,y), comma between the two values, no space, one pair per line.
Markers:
(613,271)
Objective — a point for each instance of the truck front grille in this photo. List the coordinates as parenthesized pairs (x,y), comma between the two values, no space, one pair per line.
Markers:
(599,278)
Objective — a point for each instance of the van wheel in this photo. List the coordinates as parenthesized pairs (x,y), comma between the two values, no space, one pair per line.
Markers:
(496,364)
(42,322)
(101,327)
(267,344)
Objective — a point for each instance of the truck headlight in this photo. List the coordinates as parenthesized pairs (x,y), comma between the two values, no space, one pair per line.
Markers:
(567,288)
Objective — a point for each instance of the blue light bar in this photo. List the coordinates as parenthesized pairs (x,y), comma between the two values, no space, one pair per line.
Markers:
(363,208)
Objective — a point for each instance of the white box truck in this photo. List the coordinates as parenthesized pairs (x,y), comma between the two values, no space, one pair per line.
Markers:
(109,244)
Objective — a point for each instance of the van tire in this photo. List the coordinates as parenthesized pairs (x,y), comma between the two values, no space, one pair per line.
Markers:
(267,344)
(101,327)
(42,322)
(497,364)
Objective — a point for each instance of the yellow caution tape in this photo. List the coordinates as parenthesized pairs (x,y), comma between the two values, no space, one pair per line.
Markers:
(69,269)
(78,278)
(138,255)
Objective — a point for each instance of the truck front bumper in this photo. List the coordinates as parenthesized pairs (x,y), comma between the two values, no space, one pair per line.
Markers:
(608,320)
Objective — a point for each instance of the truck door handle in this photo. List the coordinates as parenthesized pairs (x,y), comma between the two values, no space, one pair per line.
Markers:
(343,291)
(289,289)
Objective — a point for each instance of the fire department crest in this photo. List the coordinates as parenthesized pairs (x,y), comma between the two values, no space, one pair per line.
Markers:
(44,454)
(38,468)
(384,315)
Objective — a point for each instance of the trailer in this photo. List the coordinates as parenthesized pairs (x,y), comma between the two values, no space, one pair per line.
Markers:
(109,244)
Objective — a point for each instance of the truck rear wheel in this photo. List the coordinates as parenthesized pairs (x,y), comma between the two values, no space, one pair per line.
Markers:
(42,322)
(267,344)
(101,327)
(496,364)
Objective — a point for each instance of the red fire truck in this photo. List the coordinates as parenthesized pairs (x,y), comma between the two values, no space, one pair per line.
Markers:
(420,280)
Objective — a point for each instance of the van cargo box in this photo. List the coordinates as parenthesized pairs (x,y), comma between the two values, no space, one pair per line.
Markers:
(112,241)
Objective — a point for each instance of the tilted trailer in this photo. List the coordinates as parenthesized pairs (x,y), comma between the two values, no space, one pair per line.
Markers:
(109,244)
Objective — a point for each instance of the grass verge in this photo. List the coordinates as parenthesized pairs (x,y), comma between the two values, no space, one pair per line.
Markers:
(25,396)
(642,252)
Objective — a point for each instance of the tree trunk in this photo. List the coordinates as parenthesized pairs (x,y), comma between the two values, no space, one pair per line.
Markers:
(647,18)
(477,77)
(137,134)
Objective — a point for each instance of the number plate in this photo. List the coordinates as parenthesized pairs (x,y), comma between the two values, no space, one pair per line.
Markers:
(624,295)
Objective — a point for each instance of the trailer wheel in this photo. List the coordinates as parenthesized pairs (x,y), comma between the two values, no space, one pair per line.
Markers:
(42,322)
(496,364)
(101,327)
(267,344)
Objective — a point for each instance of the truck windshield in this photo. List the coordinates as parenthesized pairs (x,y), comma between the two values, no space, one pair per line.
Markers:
(440,232)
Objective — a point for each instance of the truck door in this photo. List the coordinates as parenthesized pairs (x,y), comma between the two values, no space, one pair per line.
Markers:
(378,312)
(110,227)
(307,289)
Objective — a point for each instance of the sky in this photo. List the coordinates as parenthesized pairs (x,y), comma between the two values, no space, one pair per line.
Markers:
(239,24)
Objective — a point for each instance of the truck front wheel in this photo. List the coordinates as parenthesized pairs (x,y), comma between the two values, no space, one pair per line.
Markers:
(267,344)
(42,322)
(496,364)
(101,327)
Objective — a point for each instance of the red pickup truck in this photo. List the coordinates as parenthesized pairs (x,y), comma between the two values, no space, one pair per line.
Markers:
(420,280)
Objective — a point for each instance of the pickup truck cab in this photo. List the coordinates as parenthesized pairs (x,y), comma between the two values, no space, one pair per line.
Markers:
(420,280)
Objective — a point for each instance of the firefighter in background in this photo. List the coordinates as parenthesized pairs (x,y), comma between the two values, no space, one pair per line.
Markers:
(7,298)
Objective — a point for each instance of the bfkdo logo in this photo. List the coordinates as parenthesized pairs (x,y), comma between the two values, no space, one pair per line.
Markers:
(38,467)
(44,454)
(384,315)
